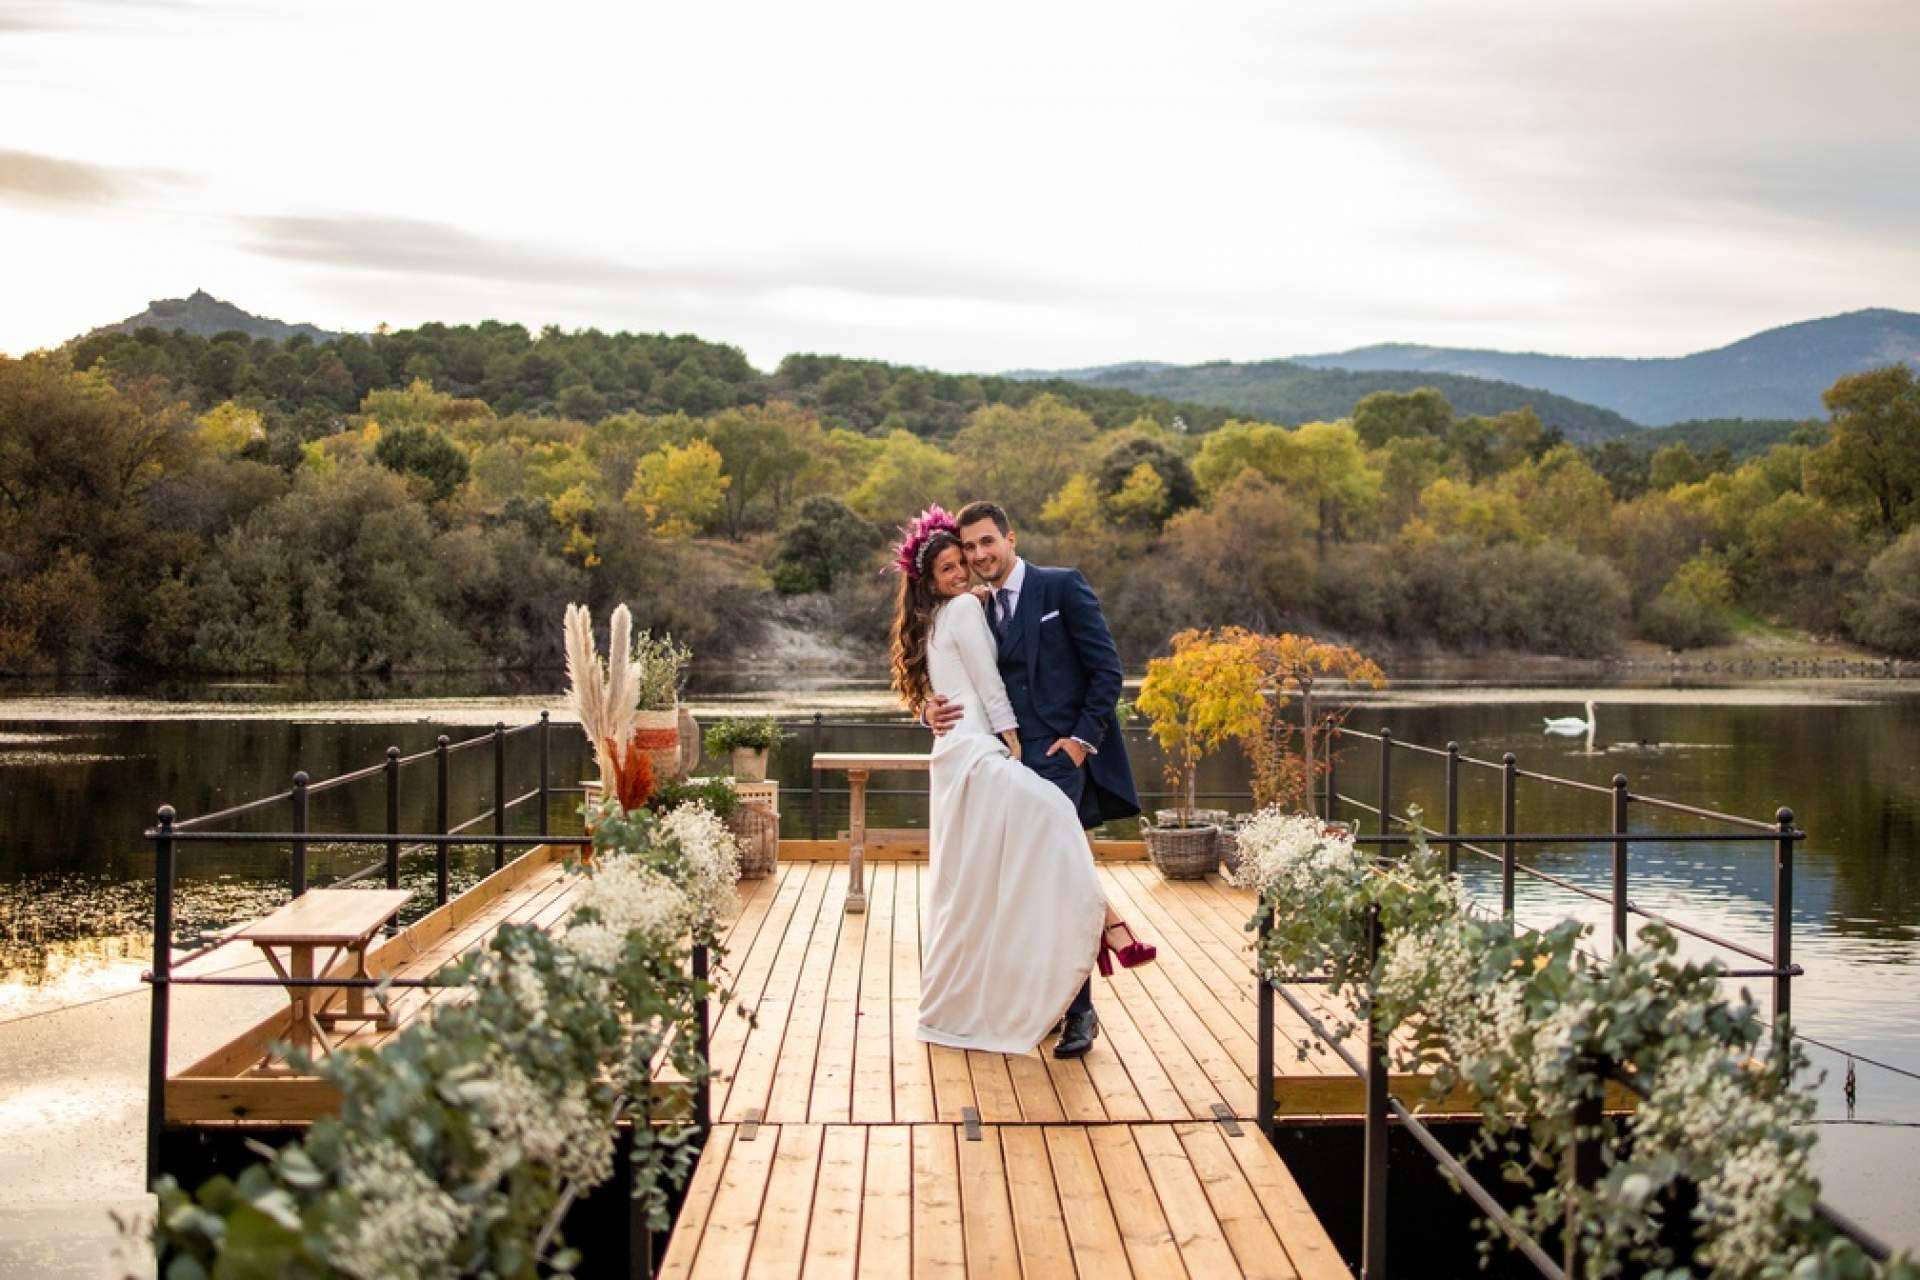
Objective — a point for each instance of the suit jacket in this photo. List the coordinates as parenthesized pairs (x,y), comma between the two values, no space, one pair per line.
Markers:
(1062,672)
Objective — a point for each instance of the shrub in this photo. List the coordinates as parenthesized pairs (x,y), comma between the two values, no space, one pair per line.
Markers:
(1887,613)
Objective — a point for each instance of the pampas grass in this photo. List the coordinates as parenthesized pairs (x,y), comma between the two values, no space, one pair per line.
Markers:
(604,694)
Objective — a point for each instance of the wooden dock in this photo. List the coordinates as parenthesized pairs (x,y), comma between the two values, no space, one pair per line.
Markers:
(844,1145)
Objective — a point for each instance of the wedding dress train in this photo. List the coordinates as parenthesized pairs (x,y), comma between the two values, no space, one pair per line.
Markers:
(1015,907)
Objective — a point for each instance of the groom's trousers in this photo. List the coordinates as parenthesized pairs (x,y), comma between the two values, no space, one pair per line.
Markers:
(1060,770)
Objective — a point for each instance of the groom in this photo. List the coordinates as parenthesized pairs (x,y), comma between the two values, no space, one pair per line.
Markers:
(1062,673)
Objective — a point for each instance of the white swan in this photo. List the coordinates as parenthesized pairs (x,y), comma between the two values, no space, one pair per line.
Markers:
(1572,725)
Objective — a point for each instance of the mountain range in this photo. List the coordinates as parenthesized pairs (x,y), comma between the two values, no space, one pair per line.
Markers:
(1775,374)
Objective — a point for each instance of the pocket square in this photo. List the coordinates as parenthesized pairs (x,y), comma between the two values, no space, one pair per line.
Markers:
(1049,617)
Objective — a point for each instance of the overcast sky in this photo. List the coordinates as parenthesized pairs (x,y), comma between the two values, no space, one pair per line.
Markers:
(971,186)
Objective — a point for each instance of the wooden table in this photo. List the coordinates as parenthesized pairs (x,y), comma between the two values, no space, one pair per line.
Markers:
(343,919)
(857,765)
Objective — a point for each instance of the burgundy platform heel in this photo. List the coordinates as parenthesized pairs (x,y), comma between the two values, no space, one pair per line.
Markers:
(1134,954)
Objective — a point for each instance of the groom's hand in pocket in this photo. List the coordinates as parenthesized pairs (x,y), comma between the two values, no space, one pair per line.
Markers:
(942,713)
(1074,749)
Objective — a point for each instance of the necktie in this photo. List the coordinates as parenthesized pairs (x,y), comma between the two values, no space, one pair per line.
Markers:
(1002,614)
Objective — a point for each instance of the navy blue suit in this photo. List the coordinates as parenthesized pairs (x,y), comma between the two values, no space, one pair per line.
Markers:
(1062,672)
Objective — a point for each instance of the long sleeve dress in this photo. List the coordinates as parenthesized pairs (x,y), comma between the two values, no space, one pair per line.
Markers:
(1015,906)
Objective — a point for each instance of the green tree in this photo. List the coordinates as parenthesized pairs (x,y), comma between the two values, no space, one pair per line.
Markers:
(1871,464)
(823,542)
(1239,447)
(1123,455)
(435,467)
(1246,559)
(680,490)
(1887,613)
(1019,457)
(1330,476)
(227,428)
(1391,415)
(1674,466)
(1140,503)
(907,474)
(761,447)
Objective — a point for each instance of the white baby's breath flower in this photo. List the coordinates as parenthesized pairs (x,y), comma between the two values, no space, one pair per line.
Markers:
(406,1223)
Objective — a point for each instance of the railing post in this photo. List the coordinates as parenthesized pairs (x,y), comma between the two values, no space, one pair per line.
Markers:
(1332,810)
(298,875)
(1620,799)
(703,1093)
(393,817)
(1453,808)
(1386,786)
(441,821)
(1583,1169)
(546,784)
(499,792)
(813,787)
(162,977)
(1782,931)
(1373,1255)
(1263,1076)
(1509,852)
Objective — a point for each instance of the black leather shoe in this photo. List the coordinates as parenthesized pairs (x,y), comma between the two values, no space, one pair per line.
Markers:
(1077,1038)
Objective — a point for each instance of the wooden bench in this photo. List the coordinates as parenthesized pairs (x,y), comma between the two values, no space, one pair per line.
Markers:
(343,919)
(858,766)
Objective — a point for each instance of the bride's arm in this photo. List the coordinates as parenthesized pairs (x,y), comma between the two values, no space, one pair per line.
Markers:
(981,658)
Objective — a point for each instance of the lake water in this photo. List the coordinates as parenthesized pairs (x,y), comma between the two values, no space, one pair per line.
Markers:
(81,773)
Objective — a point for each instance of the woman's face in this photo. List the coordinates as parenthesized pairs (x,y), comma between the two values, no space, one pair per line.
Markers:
(949,572)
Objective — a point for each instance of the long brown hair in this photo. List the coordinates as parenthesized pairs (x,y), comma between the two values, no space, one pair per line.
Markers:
(912,621)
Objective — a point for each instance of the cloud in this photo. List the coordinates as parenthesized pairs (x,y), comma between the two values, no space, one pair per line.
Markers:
(419,247)
(83,15)
(29,178)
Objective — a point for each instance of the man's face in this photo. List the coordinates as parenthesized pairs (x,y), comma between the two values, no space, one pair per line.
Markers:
(990,553)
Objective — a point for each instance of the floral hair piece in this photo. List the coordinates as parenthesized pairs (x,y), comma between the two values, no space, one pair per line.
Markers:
(910,556)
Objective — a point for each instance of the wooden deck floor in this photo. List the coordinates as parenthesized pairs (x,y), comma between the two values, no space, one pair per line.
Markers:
(841,1146)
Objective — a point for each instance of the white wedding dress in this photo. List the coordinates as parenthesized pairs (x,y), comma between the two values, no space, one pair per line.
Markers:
(1015,910)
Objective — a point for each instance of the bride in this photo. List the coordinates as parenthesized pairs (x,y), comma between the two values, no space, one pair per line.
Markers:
(1015,913)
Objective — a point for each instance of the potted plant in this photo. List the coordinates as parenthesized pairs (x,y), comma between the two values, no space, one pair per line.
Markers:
(1206,692)
(662,672)
(747,742)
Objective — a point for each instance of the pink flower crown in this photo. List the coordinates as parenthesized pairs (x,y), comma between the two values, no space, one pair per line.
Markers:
(909,556)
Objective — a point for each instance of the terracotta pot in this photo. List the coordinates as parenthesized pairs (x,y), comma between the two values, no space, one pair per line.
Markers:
(659,736)
(750,764)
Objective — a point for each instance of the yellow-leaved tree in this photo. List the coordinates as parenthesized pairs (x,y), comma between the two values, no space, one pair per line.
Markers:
(1292,666)
(680,489)
(1197,699)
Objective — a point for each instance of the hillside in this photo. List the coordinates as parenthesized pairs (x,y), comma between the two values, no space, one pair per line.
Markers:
(1290,393)
(1776,374)
(204,315)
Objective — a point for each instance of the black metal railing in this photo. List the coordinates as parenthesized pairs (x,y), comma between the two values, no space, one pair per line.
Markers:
(170,833)
(1380,1109)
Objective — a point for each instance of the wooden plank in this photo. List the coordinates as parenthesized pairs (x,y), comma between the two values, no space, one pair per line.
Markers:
(939,1244)
(833,1234)
(780,1239)
(993,1087)
(753,1076)
(875,761)
(832,1097)
(1080,1099)
(873,1029)
(684,1244)
(1092,1232)
(889,1207)
(729,1038)
(1145,1232)
(1244,1223)
(1039,1226)
(1308,1246)
(952,1082)
(1203,1245)
(912,1066)
(287,1099)
(986,1217)
(792,1085)
(1158,1094)
(726,1244)
(1033,1087)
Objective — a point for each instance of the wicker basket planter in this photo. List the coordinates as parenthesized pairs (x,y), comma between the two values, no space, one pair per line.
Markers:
(1182,853)
(1228,845)
(758,829)
(1199,817)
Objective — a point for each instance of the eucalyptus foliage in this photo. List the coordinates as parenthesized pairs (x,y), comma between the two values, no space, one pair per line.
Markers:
(458,1141)
(1711,1175)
